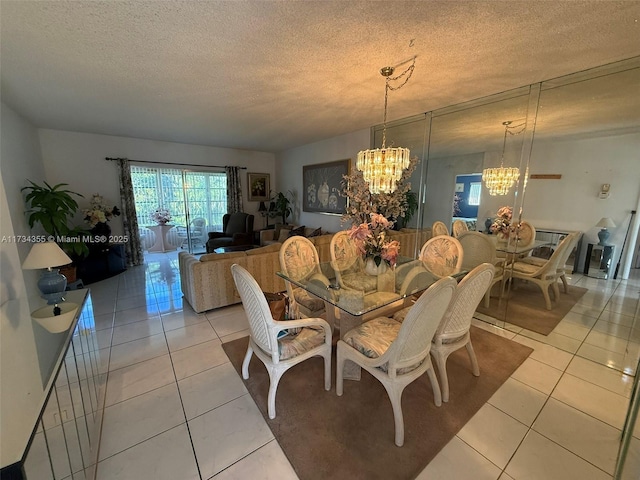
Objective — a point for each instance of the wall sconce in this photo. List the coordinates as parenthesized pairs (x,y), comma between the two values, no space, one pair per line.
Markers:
(604,191)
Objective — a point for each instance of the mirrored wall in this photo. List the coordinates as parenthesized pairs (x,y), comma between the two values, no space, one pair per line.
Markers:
(567,136)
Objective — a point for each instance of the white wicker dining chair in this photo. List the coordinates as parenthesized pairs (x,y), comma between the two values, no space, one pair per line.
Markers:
(478,249)
(453,331)
(442,255)
(439,228)
(299,260)
(545,275)
(459,227)
(279,354)
(398,353)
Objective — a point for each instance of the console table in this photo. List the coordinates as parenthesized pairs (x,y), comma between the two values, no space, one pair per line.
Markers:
(52,393)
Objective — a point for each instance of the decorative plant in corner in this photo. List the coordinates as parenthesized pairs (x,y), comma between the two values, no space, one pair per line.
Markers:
(281,205)
(53,207)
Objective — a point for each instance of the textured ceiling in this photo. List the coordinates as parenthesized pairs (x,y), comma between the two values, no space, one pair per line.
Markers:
(269,76)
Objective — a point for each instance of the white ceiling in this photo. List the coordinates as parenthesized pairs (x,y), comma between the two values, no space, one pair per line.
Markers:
(266,75)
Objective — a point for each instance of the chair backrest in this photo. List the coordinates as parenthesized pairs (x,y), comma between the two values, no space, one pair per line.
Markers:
(478,248)
(525,234)
(413,343)
(238,222)
(198,227)
(257,309)
(553,264)
(442,255)
(439,228)
(470,291)
(345,255)
(299,258)
(573,240)
(459,227)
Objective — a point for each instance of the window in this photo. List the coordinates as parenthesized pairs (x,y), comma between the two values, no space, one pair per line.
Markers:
(474,193)
(201,194)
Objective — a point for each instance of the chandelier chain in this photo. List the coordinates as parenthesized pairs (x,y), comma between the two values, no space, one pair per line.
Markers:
(407,73)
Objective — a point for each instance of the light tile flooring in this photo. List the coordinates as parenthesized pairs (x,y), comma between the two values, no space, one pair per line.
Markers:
(176,409)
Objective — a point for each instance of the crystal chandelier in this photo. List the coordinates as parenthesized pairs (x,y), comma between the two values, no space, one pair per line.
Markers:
(382,167)
(500,180)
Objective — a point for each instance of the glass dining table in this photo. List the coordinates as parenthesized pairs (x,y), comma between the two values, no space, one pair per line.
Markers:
(353,297)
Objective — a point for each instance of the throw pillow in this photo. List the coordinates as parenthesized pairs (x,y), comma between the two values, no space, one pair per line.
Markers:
(284,234)
(299,231)
(316,233)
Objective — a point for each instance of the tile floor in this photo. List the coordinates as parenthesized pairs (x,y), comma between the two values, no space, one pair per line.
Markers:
(176,409)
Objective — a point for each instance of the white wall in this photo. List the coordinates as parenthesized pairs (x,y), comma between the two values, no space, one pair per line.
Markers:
(79,160)
(289,172)
(20,160)
(585,164)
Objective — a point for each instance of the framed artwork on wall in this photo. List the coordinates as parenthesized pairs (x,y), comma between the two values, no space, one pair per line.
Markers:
(258,186)
(322,187)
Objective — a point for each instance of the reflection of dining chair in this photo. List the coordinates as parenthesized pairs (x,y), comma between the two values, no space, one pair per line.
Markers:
(459,227)
(439,228)
(348,265)
(479,249)
(574,238)
(398,353)
(299,261)
(523,236)
(279,354)
(442,255)
(545,275)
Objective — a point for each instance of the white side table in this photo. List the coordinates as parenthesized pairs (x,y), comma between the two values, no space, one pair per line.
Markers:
(161,244)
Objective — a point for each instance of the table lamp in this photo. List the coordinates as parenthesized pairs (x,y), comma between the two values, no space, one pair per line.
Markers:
(603,234)
(52,283)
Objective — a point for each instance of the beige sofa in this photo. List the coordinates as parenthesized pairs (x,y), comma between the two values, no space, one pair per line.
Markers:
(207,282)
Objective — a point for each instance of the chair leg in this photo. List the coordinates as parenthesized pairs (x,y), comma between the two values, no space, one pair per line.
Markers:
(556,290)
(564,283)
(472,358)
(545,293)
(487,298)
(441,362)
(339,369)
(437,396)
(395,396)
(245,363)
(327,370)
(274,380)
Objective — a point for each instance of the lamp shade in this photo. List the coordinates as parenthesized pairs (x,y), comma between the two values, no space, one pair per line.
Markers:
(45,255)
(606,222)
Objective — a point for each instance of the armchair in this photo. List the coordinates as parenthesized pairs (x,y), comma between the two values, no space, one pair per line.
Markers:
(237,230)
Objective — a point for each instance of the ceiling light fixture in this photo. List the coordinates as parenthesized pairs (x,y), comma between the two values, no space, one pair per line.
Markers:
(500,180)
(382,167)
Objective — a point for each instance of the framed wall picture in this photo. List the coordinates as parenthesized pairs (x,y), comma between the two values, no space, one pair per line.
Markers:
(322,187)
(258,186)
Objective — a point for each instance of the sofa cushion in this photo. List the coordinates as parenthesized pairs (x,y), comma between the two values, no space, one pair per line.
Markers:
(284,234)
(274,247)
(213,257)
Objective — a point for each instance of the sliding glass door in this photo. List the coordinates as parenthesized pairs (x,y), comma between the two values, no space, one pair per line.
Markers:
(196,200)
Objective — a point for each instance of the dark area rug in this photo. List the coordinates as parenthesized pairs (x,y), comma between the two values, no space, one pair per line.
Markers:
(329,437)
(526,308)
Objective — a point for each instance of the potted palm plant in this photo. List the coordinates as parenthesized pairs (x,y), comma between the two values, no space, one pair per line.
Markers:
(52,207)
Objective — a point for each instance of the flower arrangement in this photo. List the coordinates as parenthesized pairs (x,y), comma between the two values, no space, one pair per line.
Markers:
(98,212)
(361,203)
(370,238)
(502,223)
(161,216)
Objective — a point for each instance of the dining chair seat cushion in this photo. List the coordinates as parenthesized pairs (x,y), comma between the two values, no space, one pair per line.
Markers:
(534,261)
(307,300)
(523,267)
(291,346)
(373,338)
(360,281)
